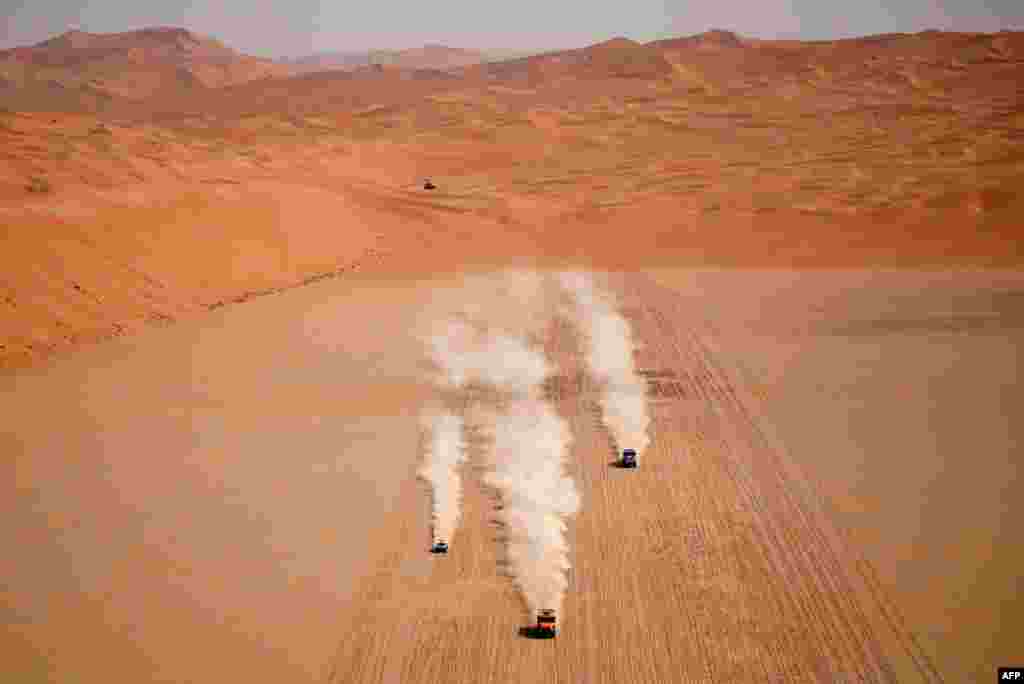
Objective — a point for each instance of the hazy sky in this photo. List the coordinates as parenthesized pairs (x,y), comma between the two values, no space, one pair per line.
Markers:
(301,26)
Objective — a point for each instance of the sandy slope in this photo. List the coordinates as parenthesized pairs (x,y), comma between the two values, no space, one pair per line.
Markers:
(899,150)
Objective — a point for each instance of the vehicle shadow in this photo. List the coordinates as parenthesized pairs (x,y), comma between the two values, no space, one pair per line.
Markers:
(534,633)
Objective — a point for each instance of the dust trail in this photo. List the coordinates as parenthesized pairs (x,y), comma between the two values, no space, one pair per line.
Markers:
(609,350)
(480,339)
(530,442)
(465,354)
(445,450)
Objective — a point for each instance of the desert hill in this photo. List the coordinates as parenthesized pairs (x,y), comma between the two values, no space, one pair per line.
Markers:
(89,71)
(173,70)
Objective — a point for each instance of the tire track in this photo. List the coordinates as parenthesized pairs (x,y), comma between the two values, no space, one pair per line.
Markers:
(831,538)
(825,563)
(798,553)
(708,440)
(709,563)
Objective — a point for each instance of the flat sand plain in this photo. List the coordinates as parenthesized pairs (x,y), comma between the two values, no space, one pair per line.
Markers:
(192,504)
(827,496)
(895,392)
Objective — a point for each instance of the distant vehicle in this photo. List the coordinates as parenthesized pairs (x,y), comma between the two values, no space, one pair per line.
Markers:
(629,458)
(546,627)
(427,185)
(440,546)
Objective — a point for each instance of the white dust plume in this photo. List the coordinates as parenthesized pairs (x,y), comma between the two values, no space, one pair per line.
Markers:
(516,304)
(465,354)
(445,450)
(608,341)
(483,335)
(530,442)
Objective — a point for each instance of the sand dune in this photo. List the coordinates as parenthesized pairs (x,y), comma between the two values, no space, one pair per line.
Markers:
(897,150)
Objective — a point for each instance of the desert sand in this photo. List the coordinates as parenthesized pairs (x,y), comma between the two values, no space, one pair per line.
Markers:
(237,497)
(894,392)
(206,523)
(817,244)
